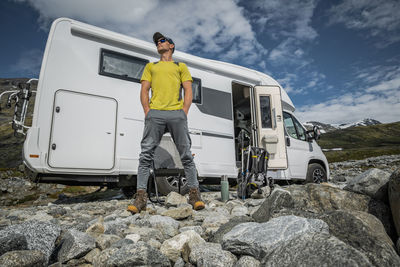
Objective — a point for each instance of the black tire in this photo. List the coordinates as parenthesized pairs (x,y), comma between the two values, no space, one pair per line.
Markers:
(316,174)
(166,184)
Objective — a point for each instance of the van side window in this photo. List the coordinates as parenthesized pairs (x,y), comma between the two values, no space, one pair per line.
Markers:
(293,127)
(121,66)
(196,89)
(265,108)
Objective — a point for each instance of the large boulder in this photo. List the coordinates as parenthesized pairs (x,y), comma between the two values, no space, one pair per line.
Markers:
(211,255)
(38,235)
(225,228)
(138,254)
(23,258)
(168,226)
(247,261)
(394,198)
(12,241)
(75,244)
(260,239)
(314,249)
(373,183)
(365,233)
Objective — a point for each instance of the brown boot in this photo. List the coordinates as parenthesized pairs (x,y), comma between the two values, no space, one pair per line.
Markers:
(195,199)
(140,202)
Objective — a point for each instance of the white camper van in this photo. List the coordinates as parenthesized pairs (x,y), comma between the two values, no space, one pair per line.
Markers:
(88,120)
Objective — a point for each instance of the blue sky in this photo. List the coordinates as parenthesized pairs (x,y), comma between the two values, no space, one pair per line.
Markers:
(338,60)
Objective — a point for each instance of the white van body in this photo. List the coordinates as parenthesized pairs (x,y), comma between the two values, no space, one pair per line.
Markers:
(88,120)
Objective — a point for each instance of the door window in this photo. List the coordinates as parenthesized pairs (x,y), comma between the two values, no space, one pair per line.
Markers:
(293,127)
(265,107)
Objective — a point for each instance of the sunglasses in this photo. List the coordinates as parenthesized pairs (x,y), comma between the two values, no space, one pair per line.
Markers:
(162,40)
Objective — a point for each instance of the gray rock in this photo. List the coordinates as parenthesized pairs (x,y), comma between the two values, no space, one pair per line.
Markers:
(138,254)
(195,228)
(259,239)
(181,245)
(365,233)
(167,225)
(116,227)
(92,255)
(75,244)
(239,211)
(174,199)
(314,249)
(105,241)
(122,242)
(278,200)
(262,193)
(12,241)
(22,258)
(179,213)
(247,261)
(373,182)
(39,235)
(394,198)
(102,258)
(179,263)
(211,255)
(225,228)
(146,233)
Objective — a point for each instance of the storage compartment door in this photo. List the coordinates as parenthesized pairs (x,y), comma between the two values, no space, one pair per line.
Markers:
(269,120)
(83,131)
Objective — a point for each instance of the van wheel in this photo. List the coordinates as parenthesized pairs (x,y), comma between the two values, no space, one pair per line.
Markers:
(316,174)
(166,184)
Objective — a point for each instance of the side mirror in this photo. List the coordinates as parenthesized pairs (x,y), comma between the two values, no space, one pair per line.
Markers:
(316,132)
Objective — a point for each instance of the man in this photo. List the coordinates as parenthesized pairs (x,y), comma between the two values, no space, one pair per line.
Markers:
(166,110)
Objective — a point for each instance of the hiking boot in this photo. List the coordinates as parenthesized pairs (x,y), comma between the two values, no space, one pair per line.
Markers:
(140,202)
(195,199)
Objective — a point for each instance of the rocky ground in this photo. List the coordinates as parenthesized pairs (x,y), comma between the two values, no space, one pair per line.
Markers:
(346,222)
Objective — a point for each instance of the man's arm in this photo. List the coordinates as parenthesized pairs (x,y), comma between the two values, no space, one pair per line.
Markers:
(144,96)
(187,100)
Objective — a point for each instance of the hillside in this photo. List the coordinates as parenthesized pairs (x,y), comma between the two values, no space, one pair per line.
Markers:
(362,141)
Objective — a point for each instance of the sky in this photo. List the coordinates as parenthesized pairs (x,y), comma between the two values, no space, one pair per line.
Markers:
(339,60)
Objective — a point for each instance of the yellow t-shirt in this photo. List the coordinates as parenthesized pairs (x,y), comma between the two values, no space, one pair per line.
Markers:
(166,78)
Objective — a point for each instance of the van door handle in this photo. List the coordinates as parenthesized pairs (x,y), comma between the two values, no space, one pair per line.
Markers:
(287,141)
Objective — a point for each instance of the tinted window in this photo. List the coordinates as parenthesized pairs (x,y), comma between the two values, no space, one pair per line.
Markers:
(196,88)
(121,66)
(265,108)
(301,133)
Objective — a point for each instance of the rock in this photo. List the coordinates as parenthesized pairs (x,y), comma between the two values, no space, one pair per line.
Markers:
(365,233)
(134,237)
(239,211)
(137,254)
(398,246)
(278,200)
(167,225)
(179,263)
(145,233)
(92,255)
(174,199)
(264,192)
(96,229)
(174,248)
(116,227)
(57,211)
(214,220)
(105,241)
(12,241)
(122,242)
(75,244)
(394,198)
(314,249)
(179,213)
(247,261)
(211,255)
(39,235)
(225,228)
(154,243)
(195,228)
(102,258)
(259,239)
(373,183)
(23,258)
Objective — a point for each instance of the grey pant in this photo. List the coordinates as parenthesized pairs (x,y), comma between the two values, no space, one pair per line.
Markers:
(156,122)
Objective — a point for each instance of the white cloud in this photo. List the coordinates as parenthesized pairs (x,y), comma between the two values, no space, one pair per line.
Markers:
(380,18)
(28,64)
(212,28)
(377,96)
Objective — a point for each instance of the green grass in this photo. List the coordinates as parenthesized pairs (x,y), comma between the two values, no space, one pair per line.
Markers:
(360,153)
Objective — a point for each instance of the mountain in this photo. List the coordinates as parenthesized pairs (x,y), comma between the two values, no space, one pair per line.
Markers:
(326,127)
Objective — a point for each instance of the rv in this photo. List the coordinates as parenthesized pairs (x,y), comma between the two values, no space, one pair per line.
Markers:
(88,121)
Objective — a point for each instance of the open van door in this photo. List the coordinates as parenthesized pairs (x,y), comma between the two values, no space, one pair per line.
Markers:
(269,122)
